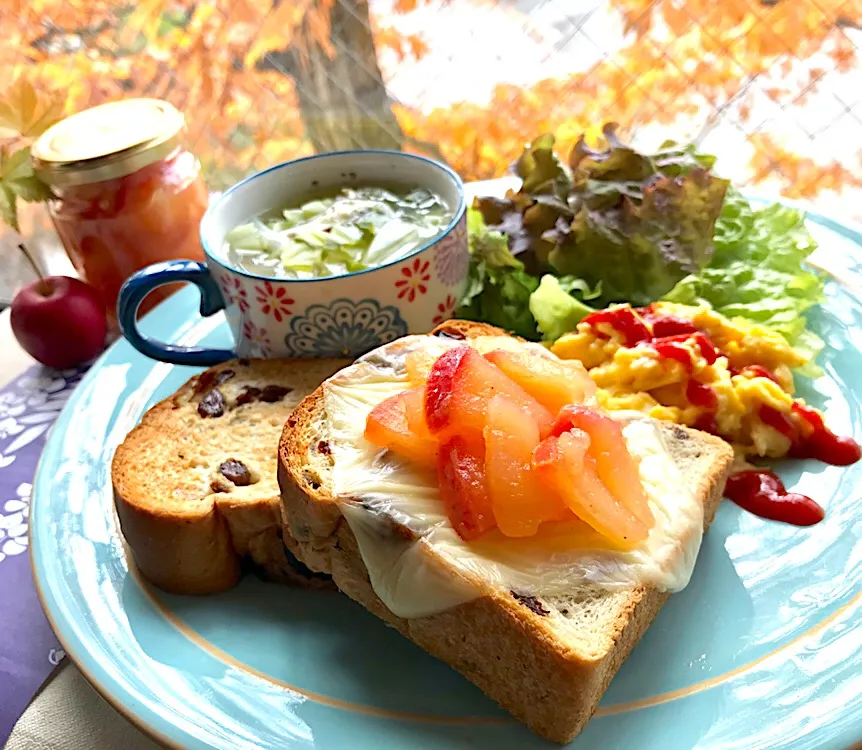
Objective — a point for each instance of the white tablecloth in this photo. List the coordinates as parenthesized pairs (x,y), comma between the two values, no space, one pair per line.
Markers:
(67,714)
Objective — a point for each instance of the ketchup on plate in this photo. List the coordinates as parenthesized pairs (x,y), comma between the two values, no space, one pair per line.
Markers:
(813,439)
(762,493)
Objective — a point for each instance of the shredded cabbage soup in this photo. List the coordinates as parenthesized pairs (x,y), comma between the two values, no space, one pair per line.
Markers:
(344,231)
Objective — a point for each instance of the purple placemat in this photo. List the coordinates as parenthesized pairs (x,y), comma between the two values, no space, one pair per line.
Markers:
(29,650)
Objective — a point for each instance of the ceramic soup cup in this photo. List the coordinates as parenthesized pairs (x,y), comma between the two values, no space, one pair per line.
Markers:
(336,316)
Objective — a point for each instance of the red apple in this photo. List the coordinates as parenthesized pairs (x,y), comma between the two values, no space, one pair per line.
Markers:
(519,500)
(552,382)
(398,423)
(464,487)
(460,385)
(564,465)
(616,467)
(59,321)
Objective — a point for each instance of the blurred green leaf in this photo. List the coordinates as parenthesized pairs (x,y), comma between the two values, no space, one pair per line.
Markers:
(8,208)
(17,175)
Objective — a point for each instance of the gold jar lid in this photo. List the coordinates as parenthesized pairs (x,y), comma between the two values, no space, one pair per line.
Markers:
(106,142)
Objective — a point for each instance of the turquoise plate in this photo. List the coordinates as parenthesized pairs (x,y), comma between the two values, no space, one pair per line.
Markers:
(762,650)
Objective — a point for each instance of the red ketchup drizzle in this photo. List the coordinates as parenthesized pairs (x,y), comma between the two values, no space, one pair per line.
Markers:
(668,338)
(764,494)
(701,395)
(707,348)
(813,439)
(756,371)
(673,350)
(624,320)
(821,443)
(706,423)
(672,347)
(665,325)
(778,421)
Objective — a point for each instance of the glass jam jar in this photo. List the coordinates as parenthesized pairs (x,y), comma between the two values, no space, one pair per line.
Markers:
(128,194)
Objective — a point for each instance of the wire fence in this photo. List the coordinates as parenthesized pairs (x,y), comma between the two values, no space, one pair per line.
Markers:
(772,87)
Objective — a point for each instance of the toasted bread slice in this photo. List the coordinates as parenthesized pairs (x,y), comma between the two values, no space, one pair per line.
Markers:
(547,661)
(195,482)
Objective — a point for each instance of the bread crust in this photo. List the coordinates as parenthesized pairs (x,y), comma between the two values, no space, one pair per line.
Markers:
(189,529)
(499,643)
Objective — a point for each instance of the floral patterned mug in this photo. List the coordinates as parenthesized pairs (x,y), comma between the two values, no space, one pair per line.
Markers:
(337,316)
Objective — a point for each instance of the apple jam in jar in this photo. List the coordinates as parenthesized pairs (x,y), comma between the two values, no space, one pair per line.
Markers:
(128,194)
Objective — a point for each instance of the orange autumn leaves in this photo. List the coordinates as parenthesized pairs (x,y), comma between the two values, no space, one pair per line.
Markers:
(678,59)
(681,59)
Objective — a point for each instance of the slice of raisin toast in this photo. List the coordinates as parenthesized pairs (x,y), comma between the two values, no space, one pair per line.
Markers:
(546,660)
(195,482)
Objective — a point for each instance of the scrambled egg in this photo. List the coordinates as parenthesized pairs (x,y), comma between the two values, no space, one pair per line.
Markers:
(752,370)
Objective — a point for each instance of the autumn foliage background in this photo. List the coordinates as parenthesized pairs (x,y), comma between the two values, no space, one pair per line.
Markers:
(772,86)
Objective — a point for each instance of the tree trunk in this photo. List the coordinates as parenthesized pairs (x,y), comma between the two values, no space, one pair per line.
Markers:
(342,98)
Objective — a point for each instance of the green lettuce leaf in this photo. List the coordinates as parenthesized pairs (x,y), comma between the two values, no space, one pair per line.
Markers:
(555,310)
(756,272)
(504,301)
(501,292)
(541,170)
(487,246)
(498,289)
(634,223)
(574,284)
(615,225)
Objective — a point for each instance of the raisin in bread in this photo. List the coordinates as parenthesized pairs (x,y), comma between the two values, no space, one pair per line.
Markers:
(195,482)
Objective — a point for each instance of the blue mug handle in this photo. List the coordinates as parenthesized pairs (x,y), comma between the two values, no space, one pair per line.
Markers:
(141,283)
